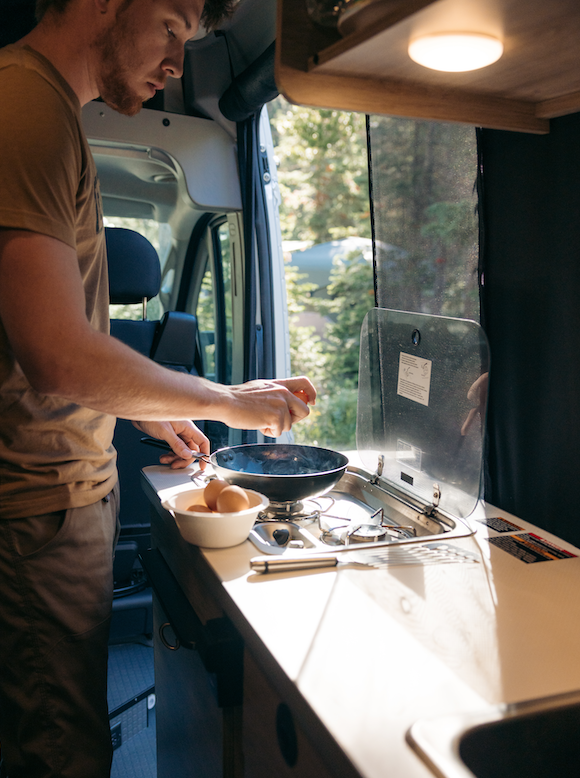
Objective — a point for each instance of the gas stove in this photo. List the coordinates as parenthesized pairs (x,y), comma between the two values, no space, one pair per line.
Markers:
(358,512)
(417,471)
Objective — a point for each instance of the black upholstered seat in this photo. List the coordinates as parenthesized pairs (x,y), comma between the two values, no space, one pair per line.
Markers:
(135,277)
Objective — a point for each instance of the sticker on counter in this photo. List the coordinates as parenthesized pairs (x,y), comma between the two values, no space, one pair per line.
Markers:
(499,524)
(530,548)
(414,380)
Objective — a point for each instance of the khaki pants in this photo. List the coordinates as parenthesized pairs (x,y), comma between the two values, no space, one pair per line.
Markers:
(56,587)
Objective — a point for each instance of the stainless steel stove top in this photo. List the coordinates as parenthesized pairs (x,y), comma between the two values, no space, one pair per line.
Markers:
(359,512)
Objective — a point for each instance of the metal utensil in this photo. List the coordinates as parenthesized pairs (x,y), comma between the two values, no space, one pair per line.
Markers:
(423,554)
(166,447)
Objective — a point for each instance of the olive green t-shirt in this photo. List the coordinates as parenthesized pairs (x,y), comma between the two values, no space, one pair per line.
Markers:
(53,454)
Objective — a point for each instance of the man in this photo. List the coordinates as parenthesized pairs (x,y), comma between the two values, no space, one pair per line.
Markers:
(63,379)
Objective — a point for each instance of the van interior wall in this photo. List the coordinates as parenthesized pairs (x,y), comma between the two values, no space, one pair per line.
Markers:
(530,296)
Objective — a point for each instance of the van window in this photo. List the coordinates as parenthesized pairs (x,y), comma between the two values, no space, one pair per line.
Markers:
(423,177)
(213,303)
(425,243)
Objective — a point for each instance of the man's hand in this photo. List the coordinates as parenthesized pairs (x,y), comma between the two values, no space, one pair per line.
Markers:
(272,406)
(184,438)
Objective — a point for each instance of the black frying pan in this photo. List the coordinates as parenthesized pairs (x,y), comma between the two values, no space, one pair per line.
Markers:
(283,472)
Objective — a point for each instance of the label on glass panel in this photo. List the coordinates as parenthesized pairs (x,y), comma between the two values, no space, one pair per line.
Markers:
(414,378)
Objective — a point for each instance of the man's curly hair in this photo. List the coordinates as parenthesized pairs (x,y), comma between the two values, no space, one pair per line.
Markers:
(214,11)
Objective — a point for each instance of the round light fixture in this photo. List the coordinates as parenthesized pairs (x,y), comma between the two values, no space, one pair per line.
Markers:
(455,52)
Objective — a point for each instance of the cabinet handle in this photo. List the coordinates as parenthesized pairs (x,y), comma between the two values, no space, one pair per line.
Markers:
(164,640)
(184,621)
(218,643)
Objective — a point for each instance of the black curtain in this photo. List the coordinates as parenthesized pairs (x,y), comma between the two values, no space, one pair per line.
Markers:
(530,296)
(258,338)
(259,357)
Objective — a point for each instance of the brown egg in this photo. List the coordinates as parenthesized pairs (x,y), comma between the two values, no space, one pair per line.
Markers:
(211,491)
(232,499)
(199,508)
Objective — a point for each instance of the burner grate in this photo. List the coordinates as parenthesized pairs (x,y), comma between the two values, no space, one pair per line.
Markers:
(307,511)
(336,530)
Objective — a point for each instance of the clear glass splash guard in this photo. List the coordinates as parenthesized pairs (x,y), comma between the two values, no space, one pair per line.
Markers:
(421,405)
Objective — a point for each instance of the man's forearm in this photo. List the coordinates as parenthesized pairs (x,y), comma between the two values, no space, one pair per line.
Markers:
(62,354)
(108,376)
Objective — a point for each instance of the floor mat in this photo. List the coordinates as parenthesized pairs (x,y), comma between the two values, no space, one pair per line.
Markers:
(131,678)
(137,757)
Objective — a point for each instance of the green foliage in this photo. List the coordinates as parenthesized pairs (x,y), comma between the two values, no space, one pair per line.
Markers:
(331,361)
(424,203)
(323,173)
(332,421)
(307,353)
(351,294)
(426,230)
(323,179)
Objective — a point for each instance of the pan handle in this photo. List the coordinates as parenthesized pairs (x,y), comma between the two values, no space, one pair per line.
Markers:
(166,447)
(281,565)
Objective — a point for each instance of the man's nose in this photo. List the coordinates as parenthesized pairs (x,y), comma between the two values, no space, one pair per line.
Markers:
(173,65)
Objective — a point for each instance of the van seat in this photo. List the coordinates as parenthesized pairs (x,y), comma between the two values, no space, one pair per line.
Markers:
(135,277)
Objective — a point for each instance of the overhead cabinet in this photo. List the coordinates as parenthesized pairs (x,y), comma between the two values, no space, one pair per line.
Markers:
(367,68)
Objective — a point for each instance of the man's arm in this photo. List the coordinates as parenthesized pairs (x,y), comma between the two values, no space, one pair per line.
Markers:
(42,306)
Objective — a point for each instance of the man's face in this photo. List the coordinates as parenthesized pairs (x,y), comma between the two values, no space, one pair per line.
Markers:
(141,48)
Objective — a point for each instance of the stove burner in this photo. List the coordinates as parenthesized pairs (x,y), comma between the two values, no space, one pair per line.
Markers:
(373,533)
(367,533)
(307,511)
(373,530)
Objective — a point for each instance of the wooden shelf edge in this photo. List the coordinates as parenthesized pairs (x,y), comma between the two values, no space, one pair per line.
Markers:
(365,95)
(558,106)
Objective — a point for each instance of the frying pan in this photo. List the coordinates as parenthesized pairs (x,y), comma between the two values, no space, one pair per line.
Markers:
(283,472)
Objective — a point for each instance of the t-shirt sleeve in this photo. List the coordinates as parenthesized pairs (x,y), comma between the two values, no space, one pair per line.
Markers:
(40,161)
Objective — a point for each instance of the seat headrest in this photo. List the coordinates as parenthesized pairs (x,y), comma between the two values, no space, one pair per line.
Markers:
(134,268)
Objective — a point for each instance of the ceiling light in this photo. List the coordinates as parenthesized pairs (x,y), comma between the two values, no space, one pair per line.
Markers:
(455,52)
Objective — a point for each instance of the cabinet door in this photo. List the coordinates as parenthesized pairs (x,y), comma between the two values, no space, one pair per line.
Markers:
(274,744)
(188,720)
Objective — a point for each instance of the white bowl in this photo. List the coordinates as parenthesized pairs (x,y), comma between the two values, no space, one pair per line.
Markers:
(213,530)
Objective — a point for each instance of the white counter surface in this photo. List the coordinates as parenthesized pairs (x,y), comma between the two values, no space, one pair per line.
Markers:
(373,651)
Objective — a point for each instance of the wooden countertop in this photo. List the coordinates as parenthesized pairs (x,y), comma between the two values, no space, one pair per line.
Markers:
(373,651)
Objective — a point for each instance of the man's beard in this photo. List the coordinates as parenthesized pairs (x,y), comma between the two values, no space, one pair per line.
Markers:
(115,48)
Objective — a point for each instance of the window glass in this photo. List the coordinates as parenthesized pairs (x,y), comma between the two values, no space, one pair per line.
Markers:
(213,307)
(425,226)
(225,252)
(159,235)
(206,322)
(425,216)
